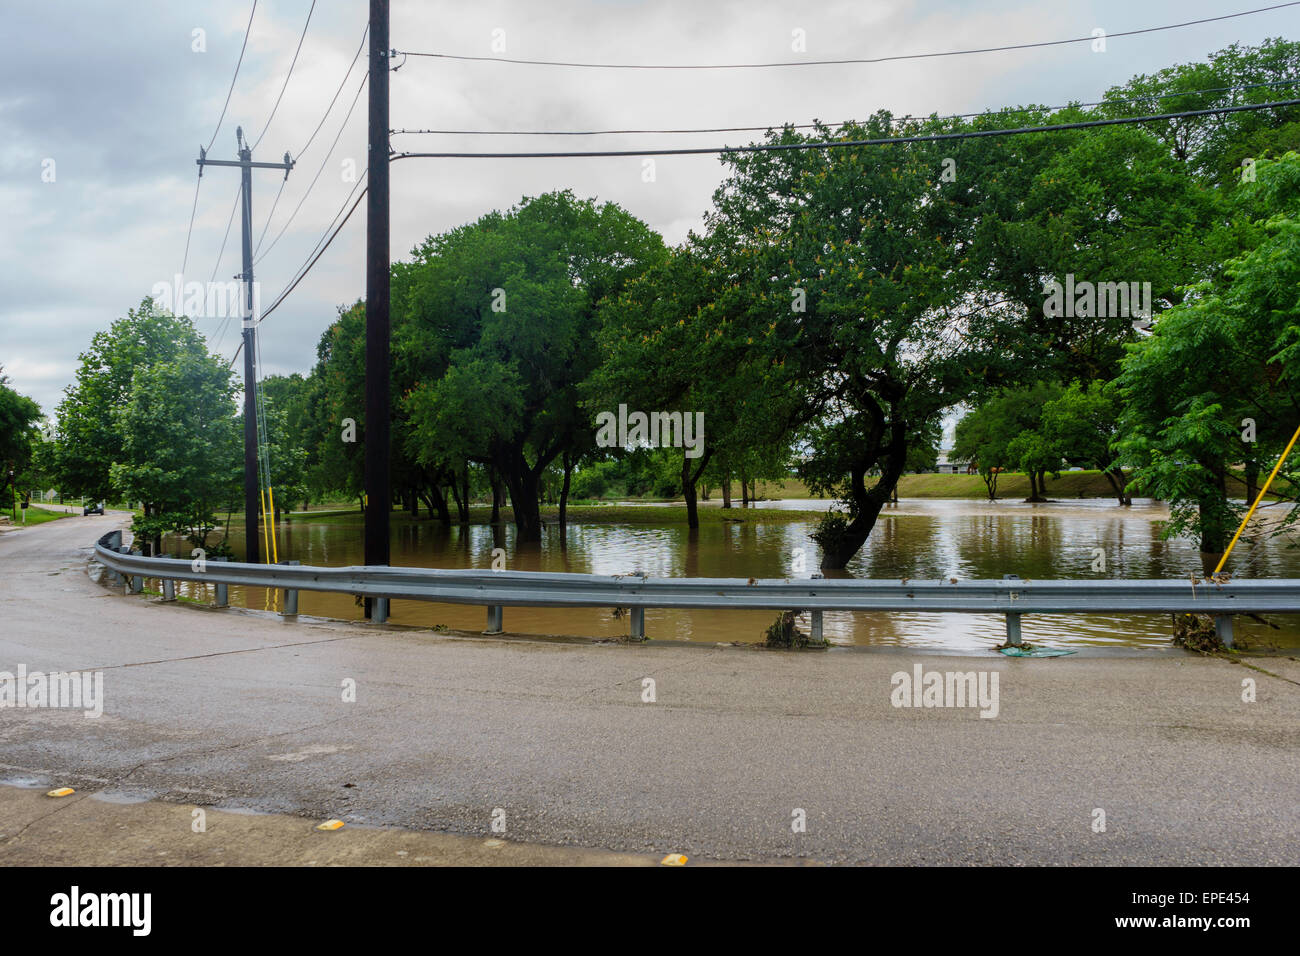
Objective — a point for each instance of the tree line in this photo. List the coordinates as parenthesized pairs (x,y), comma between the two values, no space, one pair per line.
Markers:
(834,307)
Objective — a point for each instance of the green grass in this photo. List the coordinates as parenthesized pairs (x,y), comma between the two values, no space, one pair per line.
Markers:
(37,515)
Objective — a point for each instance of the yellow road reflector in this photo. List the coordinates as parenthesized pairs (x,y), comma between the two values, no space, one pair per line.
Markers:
(61,792)
(673,859)
(331,825)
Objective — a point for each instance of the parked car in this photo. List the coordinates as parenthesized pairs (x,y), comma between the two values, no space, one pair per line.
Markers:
(96,508)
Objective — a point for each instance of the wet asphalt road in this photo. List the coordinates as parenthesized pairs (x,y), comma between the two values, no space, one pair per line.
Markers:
(236,709)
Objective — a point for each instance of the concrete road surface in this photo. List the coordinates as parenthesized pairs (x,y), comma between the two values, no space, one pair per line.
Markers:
(744,754)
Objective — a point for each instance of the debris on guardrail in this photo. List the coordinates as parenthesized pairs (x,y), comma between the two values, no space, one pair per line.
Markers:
(1196,632)
(784,632)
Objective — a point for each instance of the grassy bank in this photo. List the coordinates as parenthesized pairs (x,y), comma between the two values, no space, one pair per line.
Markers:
(37,515)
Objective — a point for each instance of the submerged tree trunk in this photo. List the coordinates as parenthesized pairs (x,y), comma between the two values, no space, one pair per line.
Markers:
(495,481)
(564,495)
(689,478)
(522,484)
(1117,482)
(726,493)
(867,504)
(440,504)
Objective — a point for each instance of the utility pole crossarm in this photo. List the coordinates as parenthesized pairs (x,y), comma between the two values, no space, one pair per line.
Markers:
(251,165)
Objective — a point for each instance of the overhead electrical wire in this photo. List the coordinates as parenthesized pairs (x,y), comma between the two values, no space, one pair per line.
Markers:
(220,119)
(229,222)
(343,82)
(312,259)
(266,225)
(767,147)
(839,144)
(324,162)
(292,64)
(775,126)
(190,230)
(247,30)
(838,62)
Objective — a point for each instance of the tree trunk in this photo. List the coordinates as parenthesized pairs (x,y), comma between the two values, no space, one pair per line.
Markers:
(464,494)
(867,504)
(689,478)
(1214,536)
(522,484)
(1252,481)
(1117,481)
(564,494)
(726,493)
(440,504)
(495,481)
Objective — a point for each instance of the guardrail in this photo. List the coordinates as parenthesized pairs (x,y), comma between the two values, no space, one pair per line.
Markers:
(496,590)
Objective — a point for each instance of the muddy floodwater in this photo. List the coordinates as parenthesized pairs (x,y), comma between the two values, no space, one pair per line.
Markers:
(916,539)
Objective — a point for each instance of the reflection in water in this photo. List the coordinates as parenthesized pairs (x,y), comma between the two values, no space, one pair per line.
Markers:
(917,539)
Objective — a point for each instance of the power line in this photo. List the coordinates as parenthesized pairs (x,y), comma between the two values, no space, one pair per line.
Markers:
(880,59)
(266,225)
(303,272)
(342,83)
(222,251)
(190,231)
(247,30)
(324,162)
(775,126)
(835,144)
(292,64)
(771,147)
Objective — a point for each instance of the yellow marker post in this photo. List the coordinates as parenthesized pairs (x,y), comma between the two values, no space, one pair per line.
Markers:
(330,825)
(61,792)
(275,554)
(1258,498)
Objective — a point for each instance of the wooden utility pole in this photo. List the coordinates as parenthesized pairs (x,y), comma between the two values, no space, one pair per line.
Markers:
(378,481)
(252,548)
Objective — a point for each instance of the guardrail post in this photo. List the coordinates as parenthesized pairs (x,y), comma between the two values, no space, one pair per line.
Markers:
(495,619)
(291,598)
(816,628)
(638,624)
(1223,628)
(1013,617)
(137,582)
(169,585)
(223,590)
(378,610)
(122,580)
(1013,628)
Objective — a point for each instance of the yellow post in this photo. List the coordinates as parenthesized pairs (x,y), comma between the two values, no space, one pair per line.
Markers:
(1258,498)
(275,554)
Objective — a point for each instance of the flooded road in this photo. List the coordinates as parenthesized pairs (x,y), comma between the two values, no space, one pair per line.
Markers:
(918,539)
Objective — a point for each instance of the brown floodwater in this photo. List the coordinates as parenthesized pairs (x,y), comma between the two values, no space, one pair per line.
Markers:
(917,539)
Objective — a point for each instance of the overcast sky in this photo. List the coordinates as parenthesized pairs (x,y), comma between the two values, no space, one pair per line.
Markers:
(117,97)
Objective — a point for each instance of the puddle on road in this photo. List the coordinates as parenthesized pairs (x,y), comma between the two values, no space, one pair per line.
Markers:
(124,797)
(24,782)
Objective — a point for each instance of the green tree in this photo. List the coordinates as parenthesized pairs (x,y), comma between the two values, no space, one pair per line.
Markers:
(1218,381)
(180,445)
(1082,426)
(19,436)
(513,296)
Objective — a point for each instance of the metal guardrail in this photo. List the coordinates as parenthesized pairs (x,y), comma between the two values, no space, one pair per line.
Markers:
(1011,596)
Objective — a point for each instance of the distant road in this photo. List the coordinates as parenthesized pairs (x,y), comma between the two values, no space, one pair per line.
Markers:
(238,709)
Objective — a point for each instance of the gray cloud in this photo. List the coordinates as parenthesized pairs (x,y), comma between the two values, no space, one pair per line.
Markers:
(115,96)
